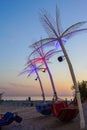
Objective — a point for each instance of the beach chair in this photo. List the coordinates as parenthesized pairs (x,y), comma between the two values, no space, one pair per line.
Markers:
(44,108)
(63,111)
(8,118)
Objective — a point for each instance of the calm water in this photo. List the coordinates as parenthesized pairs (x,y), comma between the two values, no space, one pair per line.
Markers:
(33,97)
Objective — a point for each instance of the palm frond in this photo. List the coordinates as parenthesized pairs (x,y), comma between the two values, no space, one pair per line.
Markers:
(51,53)
(45,41)
(35,61)
(25,72)
(73,28)
(73,33)
(58,22)
(48,24)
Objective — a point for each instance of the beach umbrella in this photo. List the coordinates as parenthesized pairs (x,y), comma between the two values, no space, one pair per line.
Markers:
(56,34)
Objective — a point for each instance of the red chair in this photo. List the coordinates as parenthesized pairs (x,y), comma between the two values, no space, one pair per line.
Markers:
(63,111)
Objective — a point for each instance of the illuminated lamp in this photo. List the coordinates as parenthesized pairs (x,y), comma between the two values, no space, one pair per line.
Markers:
(43,69)
(60,58)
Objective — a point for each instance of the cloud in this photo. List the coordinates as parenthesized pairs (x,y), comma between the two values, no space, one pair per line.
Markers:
(17,85)
(11,88)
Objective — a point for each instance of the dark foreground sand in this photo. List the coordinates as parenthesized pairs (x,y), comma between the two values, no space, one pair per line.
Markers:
(32,120)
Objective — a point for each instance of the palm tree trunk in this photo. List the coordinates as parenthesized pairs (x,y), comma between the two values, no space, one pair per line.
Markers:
(43,95)
(51,79)
(82,120)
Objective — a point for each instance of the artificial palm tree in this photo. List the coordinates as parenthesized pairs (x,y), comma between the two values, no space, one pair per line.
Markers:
(43,58)
(32,68)
(57,35)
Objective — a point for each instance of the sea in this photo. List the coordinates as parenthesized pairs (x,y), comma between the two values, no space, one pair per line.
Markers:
(34,98)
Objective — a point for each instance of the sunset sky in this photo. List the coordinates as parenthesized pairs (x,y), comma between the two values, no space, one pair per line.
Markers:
(20,26)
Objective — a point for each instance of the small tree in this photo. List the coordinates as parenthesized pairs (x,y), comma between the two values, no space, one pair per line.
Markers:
(83,90)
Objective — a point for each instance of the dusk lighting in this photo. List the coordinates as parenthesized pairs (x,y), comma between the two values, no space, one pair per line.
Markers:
(43,81)
(56,34)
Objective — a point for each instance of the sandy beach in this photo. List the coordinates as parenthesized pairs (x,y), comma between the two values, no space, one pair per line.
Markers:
(32,120)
